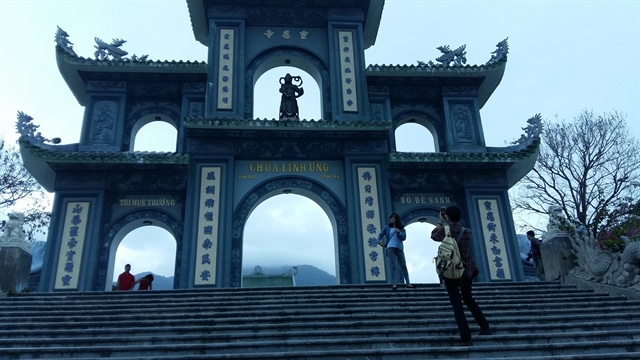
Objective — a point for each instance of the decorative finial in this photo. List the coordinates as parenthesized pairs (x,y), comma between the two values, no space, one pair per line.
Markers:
(28,129)
(63,42)
(499,53)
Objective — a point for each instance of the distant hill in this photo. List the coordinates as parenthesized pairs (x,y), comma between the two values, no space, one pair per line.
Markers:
(308,275)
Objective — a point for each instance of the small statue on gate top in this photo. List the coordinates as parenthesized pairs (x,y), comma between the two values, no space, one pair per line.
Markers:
(290,92)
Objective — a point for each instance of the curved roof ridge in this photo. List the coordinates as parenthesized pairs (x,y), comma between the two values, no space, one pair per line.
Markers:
(124,61)
(52,155)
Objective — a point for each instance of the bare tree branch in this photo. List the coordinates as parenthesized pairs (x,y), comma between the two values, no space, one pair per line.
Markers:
(588,167)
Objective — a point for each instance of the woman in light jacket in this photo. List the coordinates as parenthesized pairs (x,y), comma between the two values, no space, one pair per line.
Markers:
(395,235)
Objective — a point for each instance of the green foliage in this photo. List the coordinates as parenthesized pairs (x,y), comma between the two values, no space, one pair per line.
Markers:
(611,238)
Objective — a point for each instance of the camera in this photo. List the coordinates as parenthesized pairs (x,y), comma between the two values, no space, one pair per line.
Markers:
(443,212)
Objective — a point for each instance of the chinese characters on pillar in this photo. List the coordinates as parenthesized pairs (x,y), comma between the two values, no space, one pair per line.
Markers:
(209,206)
(370,219)
(225,70)
(73,236)
(347,71)
(494,240)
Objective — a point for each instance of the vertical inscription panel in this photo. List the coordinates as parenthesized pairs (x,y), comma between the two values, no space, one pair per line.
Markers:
(494,240)
(347,71)
(225,69)
(208,220)
(73,238)
(373,254)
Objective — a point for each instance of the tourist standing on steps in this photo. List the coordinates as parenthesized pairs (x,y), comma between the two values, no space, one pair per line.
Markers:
(459,290)
(535,254)
(145,282)
(395,234)
(125,280)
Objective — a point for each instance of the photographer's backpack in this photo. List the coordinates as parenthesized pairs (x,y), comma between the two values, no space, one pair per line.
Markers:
(448,262)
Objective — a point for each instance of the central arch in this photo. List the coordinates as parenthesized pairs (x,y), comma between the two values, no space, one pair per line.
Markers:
(334,209)
(298,58)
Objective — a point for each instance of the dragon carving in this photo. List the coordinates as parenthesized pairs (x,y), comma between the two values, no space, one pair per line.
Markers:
(499,53)
(456,56)
(63,42)
(104,50)
(620,269)
(29,130)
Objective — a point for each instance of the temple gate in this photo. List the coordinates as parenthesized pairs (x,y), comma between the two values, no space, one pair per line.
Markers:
(227,162)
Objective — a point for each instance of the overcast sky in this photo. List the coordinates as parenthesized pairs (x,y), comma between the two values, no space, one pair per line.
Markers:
(564,56)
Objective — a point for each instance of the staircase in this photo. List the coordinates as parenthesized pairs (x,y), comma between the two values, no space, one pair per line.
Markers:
(542,320)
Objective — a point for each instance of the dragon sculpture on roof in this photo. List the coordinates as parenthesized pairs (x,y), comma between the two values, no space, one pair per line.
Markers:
(29,130)
(104,50)
(448,56)
(63,42)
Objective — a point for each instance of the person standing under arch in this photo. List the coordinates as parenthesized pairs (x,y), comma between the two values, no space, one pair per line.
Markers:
(395,234)
(125,280)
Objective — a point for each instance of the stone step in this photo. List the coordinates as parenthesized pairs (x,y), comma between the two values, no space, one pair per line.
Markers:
(416,298)
(55,312)
(336,322)
(289,317)
(406,349)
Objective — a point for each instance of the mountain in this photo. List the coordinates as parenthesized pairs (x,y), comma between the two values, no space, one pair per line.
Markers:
(308,275)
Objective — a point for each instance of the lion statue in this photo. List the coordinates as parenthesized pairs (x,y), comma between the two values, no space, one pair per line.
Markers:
(13,226)
(556,217)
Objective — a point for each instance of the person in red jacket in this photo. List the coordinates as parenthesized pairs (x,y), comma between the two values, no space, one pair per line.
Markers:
(145,282)
(125,280)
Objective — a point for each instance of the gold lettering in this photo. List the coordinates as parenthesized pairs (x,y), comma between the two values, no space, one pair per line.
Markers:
(252,167)
(325,167)
(275,168)
(318,167)
(296,168)
(259,169)
(303,167)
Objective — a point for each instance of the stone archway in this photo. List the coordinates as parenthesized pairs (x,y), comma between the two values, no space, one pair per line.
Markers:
(122,226)
(301,186)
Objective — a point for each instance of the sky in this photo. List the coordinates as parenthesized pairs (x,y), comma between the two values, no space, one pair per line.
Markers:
(564,56)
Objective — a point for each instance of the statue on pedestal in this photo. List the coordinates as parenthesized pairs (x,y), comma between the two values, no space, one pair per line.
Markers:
(290,92)
(12,234)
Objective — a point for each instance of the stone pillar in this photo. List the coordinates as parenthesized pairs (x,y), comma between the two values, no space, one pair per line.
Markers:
(556,255)
(15,256)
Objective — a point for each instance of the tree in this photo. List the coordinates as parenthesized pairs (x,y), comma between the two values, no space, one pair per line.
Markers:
(19,189)
(588,167)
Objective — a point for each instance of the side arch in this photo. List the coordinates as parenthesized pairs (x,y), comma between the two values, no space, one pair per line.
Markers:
(284,56)
(125,224)
(429,120)
(149,113)
(301,186)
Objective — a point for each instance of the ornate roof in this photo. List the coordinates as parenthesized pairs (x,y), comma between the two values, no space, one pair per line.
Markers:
(43,160)
(110,58)
(452,64)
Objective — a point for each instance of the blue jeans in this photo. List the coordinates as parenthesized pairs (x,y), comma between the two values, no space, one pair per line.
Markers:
(398,264)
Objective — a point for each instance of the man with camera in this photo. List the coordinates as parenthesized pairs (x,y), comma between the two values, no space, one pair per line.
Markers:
(459,290)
